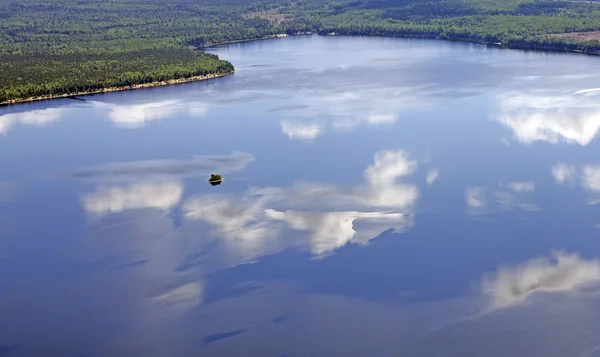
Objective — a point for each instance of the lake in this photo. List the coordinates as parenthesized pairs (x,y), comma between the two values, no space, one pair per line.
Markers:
(383,197)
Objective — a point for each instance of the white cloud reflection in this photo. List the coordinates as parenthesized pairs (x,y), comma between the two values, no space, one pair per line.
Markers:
(329,231)
(476,200)
(573,118)
(182,298)
(432,176)
(302,131)
(236,219)
(35,117)
(347,110)
(162,196)
(505,197)
(137,115)
(590,177)
(347,122)
(563,272)
(378,119)
(138,234)
(389,166)
(522,186)
(122,115)
(345,214)
(564,173)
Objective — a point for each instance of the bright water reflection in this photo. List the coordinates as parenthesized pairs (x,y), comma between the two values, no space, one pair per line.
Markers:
(383,197)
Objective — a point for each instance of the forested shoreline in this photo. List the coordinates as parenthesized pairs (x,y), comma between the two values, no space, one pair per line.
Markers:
(54,47)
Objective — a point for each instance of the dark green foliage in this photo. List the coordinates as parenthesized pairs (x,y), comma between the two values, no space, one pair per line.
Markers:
(34,75)
(215,179)
(63,46)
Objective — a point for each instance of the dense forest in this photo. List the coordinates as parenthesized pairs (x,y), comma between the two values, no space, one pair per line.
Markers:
(63,46)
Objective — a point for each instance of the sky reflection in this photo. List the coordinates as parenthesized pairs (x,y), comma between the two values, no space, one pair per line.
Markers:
(351,213)
(572,118)
(371,182)
(40,117)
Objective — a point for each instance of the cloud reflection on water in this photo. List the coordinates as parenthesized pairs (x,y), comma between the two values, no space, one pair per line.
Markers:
(432,176)
(588,178)
(345,110)
(252,224)
(563,272)
(504,198)
(564,173)
(353,214)
(133,205)
(122,115)
(138,233)
(329,231)
(35,118)
(264,221)
(182,297)
(163,196)
(554,118)
(302,131)
(137,115)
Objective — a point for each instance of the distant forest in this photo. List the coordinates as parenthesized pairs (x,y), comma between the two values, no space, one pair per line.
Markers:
(63,46)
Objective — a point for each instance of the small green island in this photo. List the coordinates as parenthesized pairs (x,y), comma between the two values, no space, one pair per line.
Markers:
(215,179)
(59,48)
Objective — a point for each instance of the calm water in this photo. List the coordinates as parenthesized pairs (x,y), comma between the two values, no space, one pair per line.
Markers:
(385,197)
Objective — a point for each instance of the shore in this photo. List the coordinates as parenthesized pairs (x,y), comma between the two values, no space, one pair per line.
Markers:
(269,37)
(431,36)
(212,76)
(118,89)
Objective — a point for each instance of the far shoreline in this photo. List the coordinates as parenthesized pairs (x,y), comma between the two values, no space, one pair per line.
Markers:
(118,89)
(424,36)
(268,37)
(283,35)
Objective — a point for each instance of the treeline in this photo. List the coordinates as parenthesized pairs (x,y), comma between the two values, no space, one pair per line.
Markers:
(61,46)
(56,47)
(511,23)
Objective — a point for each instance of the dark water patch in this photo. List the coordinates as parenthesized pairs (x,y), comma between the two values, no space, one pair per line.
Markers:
(281,318)
(192,260)
(221,336)
(6,349)
(220,291)
(134,264)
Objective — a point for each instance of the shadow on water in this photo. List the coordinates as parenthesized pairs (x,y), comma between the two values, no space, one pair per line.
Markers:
(281,318)
(221,336)
(76,98)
